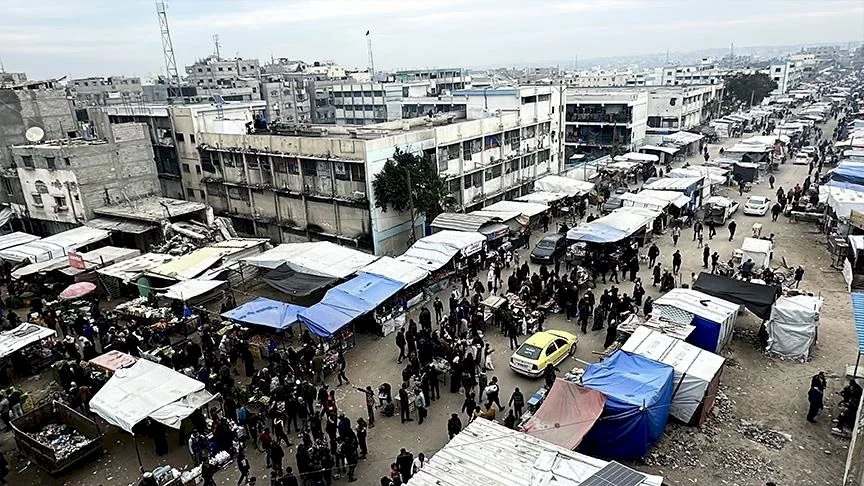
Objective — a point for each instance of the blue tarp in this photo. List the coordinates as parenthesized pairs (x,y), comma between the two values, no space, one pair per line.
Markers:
(845,185)
(266,312)
(858,313)
(849,173)
(638,393)
(348,301)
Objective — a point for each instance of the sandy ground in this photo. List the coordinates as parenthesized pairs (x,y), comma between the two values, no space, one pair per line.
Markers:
(769,391)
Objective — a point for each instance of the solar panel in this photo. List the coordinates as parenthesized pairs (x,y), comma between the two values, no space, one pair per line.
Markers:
(614,474)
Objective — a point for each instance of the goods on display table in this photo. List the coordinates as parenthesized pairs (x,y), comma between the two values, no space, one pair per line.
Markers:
(160,319)
(140,308)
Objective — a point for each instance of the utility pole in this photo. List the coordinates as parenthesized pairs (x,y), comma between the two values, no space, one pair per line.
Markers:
(168,51)
(216,43)
(371,59)
(411,238)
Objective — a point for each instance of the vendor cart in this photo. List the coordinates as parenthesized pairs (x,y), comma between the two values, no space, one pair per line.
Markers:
(490,306)
(57,437)
(576,253)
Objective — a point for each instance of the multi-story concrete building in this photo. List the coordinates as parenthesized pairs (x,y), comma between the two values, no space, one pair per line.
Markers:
(682,107)
(290,100)
(61,182)
(8,80)
(113,90)
(787,75)
(43,104)
(596,120)
(234,79)
(173,133)
(295,183)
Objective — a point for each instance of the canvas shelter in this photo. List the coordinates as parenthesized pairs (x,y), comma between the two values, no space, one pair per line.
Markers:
(316,258)
(54,246)
(348,301)
(436,250)
(288,281)
(566,403)
(195,291)
(541,197)
(22,336)
(532,211)
(758,250)
(793,326)
(697,372)
(757,298)
(566,185)
(615,226)
(638,395)
(713,318)
(459,222)
(407,273)
(15,239)
(266,312)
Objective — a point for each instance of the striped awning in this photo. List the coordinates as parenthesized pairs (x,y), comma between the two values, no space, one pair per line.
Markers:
(858,312)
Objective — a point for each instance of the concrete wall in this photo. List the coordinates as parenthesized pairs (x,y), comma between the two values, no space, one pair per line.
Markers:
(48,109)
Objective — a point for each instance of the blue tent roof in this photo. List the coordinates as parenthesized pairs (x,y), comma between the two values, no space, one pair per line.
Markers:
(853,173)
(348,301)
(638,393)
(858,313)
(266,312)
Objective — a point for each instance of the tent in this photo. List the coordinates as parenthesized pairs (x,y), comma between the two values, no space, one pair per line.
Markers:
(637,157)
(566,403)
(793,326)
(459,222)
(674,198)
(21,337)
(130,270)
(541,197)
(16,238)
(348,301)
(407,273)
(570,187)
(317,258)
(640,200)
(266,312)
(757,298)
(714,318)
(195,291)
(54,246)
(615,226)
(638,394)
(758,250)
(697,372)
(436,250)
(284,279)
(148,389)
(530,210)
(843,199)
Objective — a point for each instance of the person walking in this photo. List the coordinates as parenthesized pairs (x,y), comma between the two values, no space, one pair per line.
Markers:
(697,230)
(420,404)
(771,181)
(513,334)
(676,262)
(517,401)
(361,432)
(342,366)
(799,274)
(404,406)
(439,309)
(242,466)
(715,259)
(400,343)
(712,231)
(814,397)
(492,392)
(676,233)
(454,425)
(653,253)
(732,226)
(776,209)
(404,461)
(706,254)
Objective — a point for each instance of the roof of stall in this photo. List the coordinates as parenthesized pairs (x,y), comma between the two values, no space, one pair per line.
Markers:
(266,312)
(436,250)
(348,301)
(542,197)
(615,226)
(571,187)
(131,269)
(21,337)
(16,238)
(638,157)
(404,272)
(316,258)
(674,183)
(683,138)
(658,148)
(55,245)
(528,209)
(459,221)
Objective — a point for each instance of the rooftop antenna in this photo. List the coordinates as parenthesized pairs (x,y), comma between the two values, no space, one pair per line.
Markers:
(732,52)
(216,43)
(2,68)
(168,51)
(371,59)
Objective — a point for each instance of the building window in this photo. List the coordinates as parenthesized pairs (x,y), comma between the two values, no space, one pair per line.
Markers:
(197,169)
(493,173)
(310,168)
(190,192)
(37,199)
(777,70)
(51,163)
(238,194)
(27,161)
(180,137)
(203,194)
(41,187)
(208,161)
(358,172)
(186,168)
(67,161)
(60,202)
(191,138)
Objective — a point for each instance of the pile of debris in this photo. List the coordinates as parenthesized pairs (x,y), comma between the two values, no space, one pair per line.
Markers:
(742,464)
(64,440)
(758,433)
(183,237)
(721,413)
(678,449)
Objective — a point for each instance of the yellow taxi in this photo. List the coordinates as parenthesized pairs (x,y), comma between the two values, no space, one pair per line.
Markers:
(541,349)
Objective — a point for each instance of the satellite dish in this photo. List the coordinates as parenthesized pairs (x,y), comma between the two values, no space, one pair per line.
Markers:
(34,134)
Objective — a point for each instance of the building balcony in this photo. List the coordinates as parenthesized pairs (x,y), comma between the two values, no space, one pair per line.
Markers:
(622,118)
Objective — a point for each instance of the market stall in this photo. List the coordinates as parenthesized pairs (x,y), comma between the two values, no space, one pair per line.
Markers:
(315,258)
(566,185)
(263,313)
(757,298)
(113,361)
(54,246)
(114,277)
(758,250)
(793,326)
(194,292)
(616,226)
(566,403)
(433,252)
(697,372)
(27,348)
(713,317)
(691,187)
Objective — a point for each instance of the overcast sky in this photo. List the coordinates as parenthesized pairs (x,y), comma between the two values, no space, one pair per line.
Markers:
(47,38)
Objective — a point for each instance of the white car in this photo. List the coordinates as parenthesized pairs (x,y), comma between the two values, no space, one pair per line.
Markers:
(801,159)
(757,206)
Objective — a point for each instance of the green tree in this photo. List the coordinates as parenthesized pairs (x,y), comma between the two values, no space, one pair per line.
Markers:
(428,195)
(742,88)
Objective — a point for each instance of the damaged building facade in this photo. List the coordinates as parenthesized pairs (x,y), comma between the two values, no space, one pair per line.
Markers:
(296,183)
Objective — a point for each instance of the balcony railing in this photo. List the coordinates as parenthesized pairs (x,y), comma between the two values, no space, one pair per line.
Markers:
(600,117)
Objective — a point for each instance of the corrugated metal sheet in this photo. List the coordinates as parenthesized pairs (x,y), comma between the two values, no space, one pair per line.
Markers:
(858,311)
(459,221)
(124,226)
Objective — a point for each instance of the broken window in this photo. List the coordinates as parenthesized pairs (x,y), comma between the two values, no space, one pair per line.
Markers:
(37,199)
(41,187)
(27,161)
(51,163)
(310,168)
(358,172)
(493,173)
(208,160)
(60,202)
(340,171)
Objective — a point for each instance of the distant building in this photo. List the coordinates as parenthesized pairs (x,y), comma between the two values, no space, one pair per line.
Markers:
(600,119)
(233,79)
(682,107)
(788,75)
(113,90)
(7,80)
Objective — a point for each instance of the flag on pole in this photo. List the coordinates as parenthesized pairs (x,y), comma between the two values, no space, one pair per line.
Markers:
(367,33)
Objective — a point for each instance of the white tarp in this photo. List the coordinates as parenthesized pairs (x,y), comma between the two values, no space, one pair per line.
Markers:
(129,270)
(640,200)
(657,148)
(841,200)
(683,138)
(695,368)
(542,197)
(674,198)
(571,187)
(713,175)
(758,250)
(638,157)
(189,289)
(143,390)
(404,272)
(174,413)
(792,326)
(43,266)
(54,246)
(21,337)
(684,304)
(320,258)
(16,238)
(673,183)
(528,209)
(434,251)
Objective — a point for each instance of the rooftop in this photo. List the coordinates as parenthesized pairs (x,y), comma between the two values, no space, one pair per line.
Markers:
(152,209)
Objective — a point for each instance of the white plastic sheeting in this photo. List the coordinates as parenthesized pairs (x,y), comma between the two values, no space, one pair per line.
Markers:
(792,326)
(145,389)
(189,289)
(695,369)
(757,250)
(637,157)
(54,246)
(674,198)
(542,197)
(843,201)
(434,251)
(528,209)
(683,305)
(129,270)
(640,200)
(571,187)
(320,258)
(16,238)
(21,337)
(404,272)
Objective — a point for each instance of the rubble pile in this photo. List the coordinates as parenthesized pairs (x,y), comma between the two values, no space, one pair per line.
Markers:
(63,439)
(720,414)
(750,337)
(742,464)
(679,449)
(758,433)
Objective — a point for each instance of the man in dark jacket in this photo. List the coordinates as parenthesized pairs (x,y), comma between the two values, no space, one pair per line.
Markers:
(814,396)
(454,425)
(517,401)
(403,462)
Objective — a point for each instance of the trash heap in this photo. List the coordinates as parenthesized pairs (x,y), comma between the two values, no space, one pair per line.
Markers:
(64,440)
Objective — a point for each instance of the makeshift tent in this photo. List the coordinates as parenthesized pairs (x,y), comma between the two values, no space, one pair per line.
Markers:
(15,239)
(98,258)
(266,312)
(745,171)
(697,372)
(458,222)
(348,301)
(566,185)
(793,326)
(714,318)
(637,157)
(54,246)
(758,250)
(616,226)
(542,197)
(148,389)
(284,279)
(569,404)
(843,199)
(848,173)
(674,198)
(113,360)
(129,270)
(530,210)
(407,273)
(316,258)
(757,298)
(194,291)
(21,337)
(193,264)
(638,394)
(436,250)
(685,184)
(41,267)
(640,200)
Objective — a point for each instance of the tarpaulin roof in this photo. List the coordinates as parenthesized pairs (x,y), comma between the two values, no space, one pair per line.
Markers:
(713,317)
(16,238)
(528,209)
(317,258)
(459,221)
(186,290)
(54,246)
(673,197)
(284,279)
(348,301)
(793,324)
(616,226)
(114,360)
(22,336)
(575,407)
(407,273)
(714,175)
(140,391)
(758,250)
(542,197)
(640,200)
(571,187)
(436,250)
(695,368)
(757,298)
(638,394)
(674,183)
(129,270)
(848,173)
(121,225)
(843,200)
(858,314)
(683,138)
(657,148)
(638,157)
(266,312)
(41,267)
(202,259)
